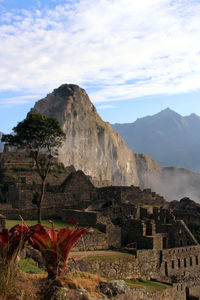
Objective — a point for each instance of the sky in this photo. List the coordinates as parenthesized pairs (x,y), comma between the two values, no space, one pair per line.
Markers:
(133,58)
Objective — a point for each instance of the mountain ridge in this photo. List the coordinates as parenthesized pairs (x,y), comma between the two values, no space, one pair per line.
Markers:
(167,137)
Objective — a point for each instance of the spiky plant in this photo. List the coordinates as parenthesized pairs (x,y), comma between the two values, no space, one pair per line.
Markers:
(55,246)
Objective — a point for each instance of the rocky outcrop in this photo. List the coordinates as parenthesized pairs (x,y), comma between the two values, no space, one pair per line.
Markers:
(91,144)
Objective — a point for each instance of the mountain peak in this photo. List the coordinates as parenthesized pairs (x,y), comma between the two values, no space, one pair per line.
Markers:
(91,144)
(168,111)
(67,89)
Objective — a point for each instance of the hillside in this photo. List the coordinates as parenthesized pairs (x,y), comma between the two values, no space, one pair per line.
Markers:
(167,137)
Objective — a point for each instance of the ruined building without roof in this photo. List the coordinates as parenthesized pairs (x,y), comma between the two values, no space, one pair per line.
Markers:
(127,217)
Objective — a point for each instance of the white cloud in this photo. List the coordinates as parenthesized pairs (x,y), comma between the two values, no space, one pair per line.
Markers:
(125,48)
(10,101)
(105,106)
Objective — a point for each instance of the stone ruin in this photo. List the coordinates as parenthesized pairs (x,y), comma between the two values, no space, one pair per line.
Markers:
(135,220)
(2,222)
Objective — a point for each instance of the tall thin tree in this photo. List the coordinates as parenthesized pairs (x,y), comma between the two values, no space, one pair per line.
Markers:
(41,136)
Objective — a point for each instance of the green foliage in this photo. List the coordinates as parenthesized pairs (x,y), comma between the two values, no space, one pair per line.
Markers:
(6,179)
(37,132)
(29,266)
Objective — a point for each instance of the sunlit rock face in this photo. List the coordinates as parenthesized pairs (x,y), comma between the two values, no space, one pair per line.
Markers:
(91,144)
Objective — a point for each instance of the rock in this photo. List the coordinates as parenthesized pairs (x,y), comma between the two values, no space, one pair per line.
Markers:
(105,289)
(118,287)
(91,144)
(35,255)
(114,287)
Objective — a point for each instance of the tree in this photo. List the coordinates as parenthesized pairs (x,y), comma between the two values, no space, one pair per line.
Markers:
(41,136)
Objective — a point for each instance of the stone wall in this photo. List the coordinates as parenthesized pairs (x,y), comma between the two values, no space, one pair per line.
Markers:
(145,265)
(178,234)
(133,195)
(135,231)
(21,195)
(82,217)
(170,293)
(2,221)
(91,242)
(117,267)
(30,213)
(181,263)
(126,267)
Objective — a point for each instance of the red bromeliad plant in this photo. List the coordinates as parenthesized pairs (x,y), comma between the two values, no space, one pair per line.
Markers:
(55,246)
(12,241)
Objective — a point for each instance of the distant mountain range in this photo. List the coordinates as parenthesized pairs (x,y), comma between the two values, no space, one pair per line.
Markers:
(167,137)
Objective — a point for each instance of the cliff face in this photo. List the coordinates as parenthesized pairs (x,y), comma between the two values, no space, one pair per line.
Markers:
(91,144)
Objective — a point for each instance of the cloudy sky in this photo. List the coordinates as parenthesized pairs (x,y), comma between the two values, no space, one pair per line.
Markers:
(134,58)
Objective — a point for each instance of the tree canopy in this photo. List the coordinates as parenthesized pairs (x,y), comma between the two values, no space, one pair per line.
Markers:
(41,136)
(37,133)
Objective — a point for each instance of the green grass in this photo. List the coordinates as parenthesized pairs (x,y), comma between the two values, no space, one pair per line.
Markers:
(28,265)
(58,223)
(149,285)
(108,256)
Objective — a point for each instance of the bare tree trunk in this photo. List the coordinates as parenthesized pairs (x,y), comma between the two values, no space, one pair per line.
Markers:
(41,200)
(39,214)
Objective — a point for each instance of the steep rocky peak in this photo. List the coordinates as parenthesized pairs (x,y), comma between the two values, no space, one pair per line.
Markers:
(71,105)
(91,144)
(72,93)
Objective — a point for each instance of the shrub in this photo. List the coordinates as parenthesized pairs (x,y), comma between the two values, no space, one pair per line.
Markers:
(55,246)
(11,243)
